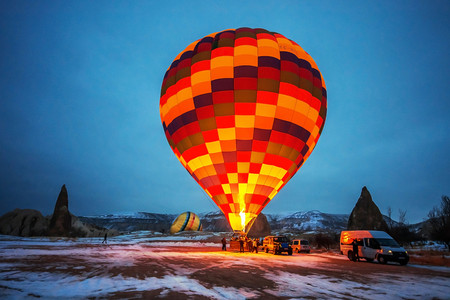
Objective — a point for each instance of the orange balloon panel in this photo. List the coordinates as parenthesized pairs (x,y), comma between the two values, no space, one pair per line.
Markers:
(242,110)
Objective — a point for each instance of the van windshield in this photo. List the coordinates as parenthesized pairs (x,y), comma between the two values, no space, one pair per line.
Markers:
(388,243)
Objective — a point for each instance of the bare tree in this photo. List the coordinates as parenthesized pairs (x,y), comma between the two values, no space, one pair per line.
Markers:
(445,205)
(389,213)
(400,230)
(402,216)
(439,218)
(325,240)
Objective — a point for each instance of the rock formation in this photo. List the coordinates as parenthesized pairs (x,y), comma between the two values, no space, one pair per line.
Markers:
(61,221)
(260,227)
(23,222)
(30,222)
(366,215)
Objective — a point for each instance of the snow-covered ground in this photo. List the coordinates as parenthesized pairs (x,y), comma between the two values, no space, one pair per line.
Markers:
(145,264)
(428,245)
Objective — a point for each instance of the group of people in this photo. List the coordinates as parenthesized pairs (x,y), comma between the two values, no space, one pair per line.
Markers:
(252,244)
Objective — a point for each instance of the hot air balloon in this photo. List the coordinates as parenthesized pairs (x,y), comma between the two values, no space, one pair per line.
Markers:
(187,221)
(242,109)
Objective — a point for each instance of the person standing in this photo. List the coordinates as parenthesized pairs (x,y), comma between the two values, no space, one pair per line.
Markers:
(105,239)
(241,245)
(255,245)
(249,245)
(224,244)
(355,250)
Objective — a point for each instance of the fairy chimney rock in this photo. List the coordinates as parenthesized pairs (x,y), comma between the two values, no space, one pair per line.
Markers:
(366,215)
(60,224)
(260,227)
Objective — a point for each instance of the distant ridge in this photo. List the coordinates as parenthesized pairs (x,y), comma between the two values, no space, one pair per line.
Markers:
(215,221)
(313,220)
(127,222)
(296,222)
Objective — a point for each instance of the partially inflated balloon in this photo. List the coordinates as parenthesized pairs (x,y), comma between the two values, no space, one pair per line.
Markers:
(242,110)
(187,221)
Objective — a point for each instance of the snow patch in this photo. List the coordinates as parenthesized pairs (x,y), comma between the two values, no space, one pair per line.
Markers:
(289,285)
(50,285)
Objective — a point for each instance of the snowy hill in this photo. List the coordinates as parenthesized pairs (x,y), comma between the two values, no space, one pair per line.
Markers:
(215,221)
(308,221)
(132,221)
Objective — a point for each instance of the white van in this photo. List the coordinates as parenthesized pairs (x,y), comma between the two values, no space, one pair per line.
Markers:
(373,245)
(300,246)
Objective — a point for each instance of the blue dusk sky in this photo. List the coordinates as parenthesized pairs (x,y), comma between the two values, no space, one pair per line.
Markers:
(80,84)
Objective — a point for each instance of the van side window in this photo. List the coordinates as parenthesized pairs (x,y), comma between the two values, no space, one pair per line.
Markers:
(295,242)
(372,243)
(375,244)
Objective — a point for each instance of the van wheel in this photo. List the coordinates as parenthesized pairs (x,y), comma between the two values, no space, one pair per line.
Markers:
(350,255)
(381,259)
(298,250)
(290,252)
(266,250)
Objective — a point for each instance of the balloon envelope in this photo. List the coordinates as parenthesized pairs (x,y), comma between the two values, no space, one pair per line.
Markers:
(242,110)
(187,221)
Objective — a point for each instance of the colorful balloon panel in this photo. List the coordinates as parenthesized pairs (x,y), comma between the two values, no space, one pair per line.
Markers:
(187,221)
(242,109)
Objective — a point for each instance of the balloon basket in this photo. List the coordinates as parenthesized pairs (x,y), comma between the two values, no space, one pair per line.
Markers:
(235,241)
